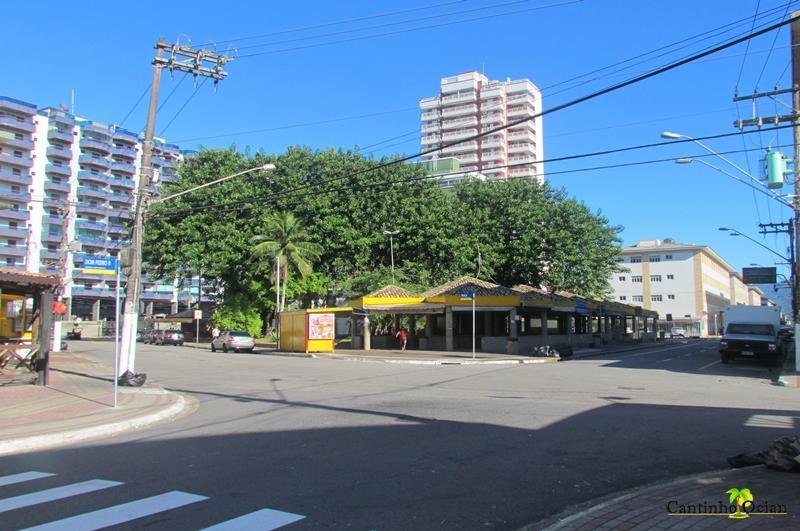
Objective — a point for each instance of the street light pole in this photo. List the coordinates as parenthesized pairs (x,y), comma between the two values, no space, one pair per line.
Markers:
(390,234)
(734,232)
(760,189)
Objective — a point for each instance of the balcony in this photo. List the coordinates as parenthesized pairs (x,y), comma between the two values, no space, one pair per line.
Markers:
(466,159)
(429,103)
(8,176)
(125,136)
(121,214)
(7,231)
(524,126)
(461,148)
(156,295)
(47,254)
(87,143)
(495,156)
(118,229)
(89,176)
(457,135)
(522,159)
(522,135)
(431,139)
(60,134)
(459,98)
(490,142)
(12,250)
(492,93)
(80,275)
(459,110)
(58,169)
(430,115)
(97,210)
(125,152)
(91,242)
(59,152)
(95,161)
(117,244)
(527,171)
(61,117)
(100,293)
(522,148)
(17,215)
(123,167)
(17,143)
(125,199)
(53,186)
(122,183)
(19,124)
(51,237)
(519,112)
(15,105)
(23,160)
(522,98)
(101,129)
(168,179)
(459,123)
(430,128)
(88,191)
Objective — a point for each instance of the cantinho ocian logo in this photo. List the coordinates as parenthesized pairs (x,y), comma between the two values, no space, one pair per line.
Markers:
(741,504)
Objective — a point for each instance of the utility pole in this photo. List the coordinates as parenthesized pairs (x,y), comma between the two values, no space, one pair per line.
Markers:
(183,59)
(795,42)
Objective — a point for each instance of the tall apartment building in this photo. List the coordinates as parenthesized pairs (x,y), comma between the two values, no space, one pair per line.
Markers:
(68,184)
(688,285)
(468,104)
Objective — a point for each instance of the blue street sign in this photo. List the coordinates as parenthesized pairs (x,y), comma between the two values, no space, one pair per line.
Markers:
(100,265)
(467,295)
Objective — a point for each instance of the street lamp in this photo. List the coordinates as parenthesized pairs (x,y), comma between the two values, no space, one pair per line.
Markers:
(391,234)
(760,189)
(133,288)
(679,136)
(734,232)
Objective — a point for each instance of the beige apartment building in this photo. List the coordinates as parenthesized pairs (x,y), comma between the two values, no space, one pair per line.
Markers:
(688,285)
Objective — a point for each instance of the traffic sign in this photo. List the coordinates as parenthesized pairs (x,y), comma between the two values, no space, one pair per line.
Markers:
(100,265)
(198,314)
(467,296)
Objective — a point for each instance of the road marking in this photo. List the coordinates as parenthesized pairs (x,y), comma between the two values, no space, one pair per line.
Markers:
(665,360)
(265,519)
(771,421)
(23,476)
(57,493)
(125,512)
(709,365)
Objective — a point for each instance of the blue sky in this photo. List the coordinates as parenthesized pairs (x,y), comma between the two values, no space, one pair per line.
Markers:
(103,51)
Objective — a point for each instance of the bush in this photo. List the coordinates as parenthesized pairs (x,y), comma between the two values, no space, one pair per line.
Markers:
(238,313)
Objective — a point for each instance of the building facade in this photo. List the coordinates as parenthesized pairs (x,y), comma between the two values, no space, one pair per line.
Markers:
(688,285)
(67,186)
(468,104)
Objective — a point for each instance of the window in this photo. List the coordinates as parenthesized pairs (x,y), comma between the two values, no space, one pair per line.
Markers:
(654,259)
(12,224)
(636,259)
(671,297)
(637,298)
(668,257)
(655,278)
(16,171)
(11,261)
(670,277)
(636,279)
(655,298)
(622,279)
(12,243)
(623,297)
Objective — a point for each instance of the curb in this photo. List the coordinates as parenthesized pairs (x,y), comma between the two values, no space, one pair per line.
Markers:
(576,512)
(40,442)
(438,361)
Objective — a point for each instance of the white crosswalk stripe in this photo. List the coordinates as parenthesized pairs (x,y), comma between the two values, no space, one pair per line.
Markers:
(57,493)
(24,476)
(122,513)
(261,520)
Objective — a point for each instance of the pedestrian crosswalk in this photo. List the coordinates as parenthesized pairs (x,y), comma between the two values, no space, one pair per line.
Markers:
(263,519)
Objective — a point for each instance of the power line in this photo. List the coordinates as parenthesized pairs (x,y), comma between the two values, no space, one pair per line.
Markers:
(408,30)
(183,78)
(747,48)
(256,199)
(196,90)
(144,93)
(774,40)
(329,24)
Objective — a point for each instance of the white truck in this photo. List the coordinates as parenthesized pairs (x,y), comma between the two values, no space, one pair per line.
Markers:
(751,332)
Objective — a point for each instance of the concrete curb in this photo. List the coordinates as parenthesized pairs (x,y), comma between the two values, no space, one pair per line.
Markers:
(50,440)
(437,361)
(576,512)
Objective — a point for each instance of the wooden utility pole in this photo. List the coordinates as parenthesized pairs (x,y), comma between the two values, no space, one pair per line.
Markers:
(183,59)
(795,42)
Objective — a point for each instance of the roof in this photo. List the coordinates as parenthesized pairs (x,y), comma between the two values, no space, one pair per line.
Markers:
(479,287)
(391,292)
(23,279)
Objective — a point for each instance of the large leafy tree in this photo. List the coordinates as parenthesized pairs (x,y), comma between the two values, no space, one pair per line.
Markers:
(288,245)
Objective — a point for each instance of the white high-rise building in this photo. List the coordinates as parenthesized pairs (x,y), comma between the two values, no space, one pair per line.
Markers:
(468,104)
(67,188)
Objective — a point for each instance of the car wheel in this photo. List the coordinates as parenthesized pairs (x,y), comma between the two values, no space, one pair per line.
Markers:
(225,348)
(236,350)
(250,350)
(213,348)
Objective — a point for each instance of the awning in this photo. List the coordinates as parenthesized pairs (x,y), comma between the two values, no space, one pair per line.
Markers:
(416,308)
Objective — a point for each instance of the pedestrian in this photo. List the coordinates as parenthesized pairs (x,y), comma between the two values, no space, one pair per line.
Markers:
(403,335)
(214,333)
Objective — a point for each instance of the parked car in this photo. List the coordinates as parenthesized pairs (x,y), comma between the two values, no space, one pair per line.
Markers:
(677,331)
(170,337)
(235,341)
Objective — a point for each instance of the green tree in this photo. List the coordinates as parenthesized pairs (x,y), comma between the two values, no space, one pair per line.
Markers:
(237,313)
(288,245)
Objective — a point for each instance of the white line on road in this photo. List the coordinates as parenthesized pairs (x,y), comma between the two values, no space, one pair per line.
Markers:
(265,519)
(23,476)
(125,512)
(57,493)
(665,360)
(709,365)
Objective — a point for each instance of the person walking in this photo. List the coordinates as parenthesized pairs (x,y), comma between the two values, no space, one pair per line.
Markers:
(402,334)
(214,333)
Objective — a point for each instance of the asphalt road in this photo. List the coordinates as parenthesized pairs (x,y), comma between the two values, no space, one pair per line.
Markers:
(368,445)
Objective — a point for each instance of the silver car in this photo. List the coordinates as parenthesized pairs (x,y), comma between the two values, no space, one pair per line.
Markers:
(235,341)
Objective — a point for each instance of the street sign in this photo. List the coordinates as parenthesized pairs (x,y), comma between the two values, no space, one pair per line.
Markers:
(360,311)
(467,296)
(100,265)
(198,314)
(759,275)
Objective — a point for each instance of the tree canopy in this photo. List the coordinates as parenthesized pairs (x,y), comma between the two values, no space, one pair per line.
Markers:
(509,232)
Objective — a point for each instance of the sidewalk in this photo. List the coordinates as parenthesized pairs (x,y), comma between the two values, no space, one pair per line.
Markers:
(76,406)
(667,505)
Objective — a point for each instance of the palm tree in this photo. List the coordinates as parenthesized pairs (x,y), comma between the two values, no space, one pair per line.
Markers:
(287,244)
(741,496)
